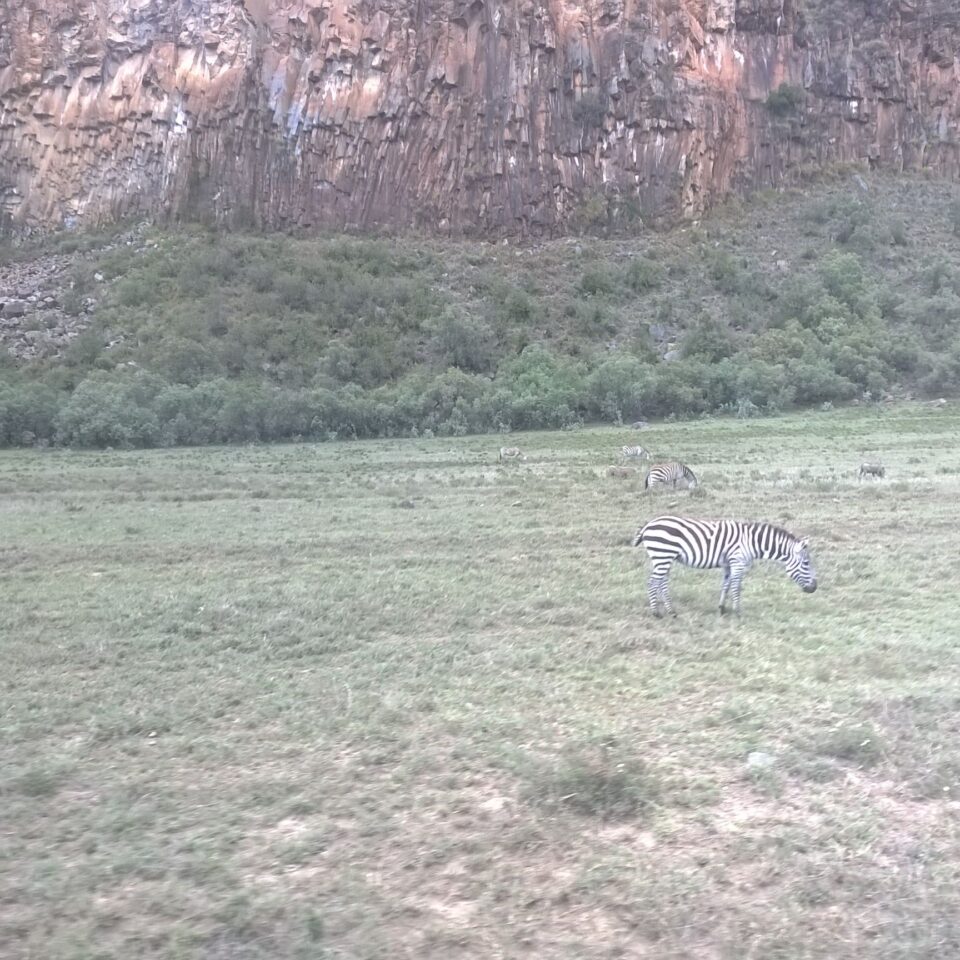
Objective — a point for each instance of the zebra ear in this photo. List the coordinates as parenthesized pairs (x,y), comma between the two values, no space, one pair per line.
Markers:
(804,542)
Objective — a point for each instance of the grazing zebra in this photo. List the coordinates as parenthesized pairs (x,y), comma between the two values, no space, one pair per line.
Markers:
(511,453)
(731,544)
(634,453)
(671,473)
(871,470)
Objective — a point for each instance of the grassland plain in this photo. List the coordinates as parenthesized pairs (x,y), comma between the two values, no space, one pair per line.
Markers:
(390,699)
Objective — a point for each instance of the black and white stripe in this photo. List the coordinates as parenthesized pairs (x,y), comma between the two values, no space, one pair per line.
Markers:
(670,474)
(730,544)
(634,453)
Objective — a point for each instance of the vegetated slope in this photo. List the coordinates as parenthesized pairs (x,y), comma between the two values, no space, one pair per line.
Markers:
(787,299)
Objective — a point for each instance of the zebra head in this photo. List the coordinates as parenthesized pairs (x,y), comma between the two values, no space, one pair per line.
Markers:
(800,566)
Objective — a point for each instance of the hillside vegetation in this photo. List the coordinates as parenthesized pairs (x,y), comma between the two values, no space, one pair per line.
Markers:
(798,299)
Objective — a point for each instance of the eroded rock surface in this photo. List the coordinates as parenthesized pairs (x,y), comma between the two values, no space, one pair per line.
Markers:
(493,116)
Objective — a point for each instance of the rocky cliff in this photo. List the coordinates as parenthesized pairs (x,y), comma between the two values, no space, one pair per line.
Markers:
(467,116)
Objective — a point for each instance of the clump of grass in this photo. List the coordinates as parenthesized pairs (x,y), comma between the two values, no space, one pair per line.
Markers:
(37,782)
(595,778)
(857,743)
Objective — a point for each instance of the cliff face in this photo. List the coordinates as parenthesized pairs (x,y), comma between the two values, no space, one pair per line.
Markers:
(468,116)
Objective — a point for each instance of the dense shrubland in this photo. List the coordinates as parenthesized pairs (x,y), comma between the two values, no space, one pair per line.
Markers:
(786,300)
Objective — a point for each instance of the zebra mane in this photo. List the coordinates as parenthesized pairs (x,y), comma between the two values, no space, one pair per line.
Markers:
(790,539)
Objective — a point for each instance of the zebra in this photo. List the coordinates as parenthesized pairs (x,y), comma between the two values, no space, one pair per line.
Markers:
(672,473)
(730,544)
(871,470)
(511,453)
(634,453)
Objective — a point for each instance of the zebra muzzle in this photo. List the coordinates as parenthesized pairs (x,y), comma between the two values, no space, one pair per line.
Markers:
(811,587)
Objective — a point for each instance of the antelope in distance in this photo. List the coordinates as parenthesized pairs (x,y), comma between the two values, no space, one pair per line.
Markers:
(511,454)
(871,470)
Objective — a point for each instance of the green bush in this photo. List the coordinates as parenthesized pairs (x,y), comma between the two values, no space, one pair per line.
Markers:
(708,340)
(785,100)
(643,274)
(590,109)
(104,412)
(27,412)
(615,389)
(464,342)
(596,281)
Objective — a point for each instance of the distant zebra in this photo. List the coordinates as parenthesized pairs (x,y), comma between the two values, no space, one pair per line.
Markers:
(511,453)
(661,474)
(634,453)
(871,470)
(731,544)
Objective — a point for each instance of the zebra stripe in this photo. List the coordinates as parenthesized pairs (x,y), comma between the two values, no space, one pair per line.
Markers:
(634,453)
(730,544)
(671,473)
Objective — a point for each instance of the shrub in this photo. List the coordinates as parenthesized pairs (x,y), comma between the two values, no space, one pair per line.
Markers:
(708,340)
(27,412)
(843,278)
(816,382)
(643,274)
(590,110)
(464,342)
(677,389)
(103,412)
(615,388)
(597,280)
(785,100)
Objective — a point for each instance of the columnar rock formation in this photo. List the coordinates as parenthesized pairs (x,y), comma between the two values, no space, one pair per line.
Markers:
(468,116)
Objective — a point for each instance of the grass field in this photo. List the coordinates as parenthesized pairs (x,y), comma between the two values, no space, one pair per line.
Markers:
(389,699)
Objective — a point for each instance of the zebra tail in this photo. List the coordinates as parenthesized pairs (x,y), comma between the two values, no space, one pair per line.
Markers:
(638,539)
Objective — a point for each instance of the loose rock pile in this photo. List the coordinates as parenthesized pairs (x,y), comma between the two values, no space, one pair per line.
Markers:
(34,323)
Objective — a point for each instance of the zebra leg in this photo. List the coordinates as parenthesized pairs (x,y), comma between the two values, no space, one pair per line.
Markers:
(665,597)
(653,593)
(657,590)
(724,587)
(737,570)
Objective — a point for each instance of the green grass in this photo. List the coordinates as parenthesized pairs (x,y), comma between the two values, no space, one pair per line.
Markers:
(255,706)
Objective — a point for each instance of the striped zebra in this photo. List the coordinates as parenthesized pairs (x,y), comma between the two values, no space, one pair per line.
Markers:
(730,544)
(634,453)
(511,453)
(661,474)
